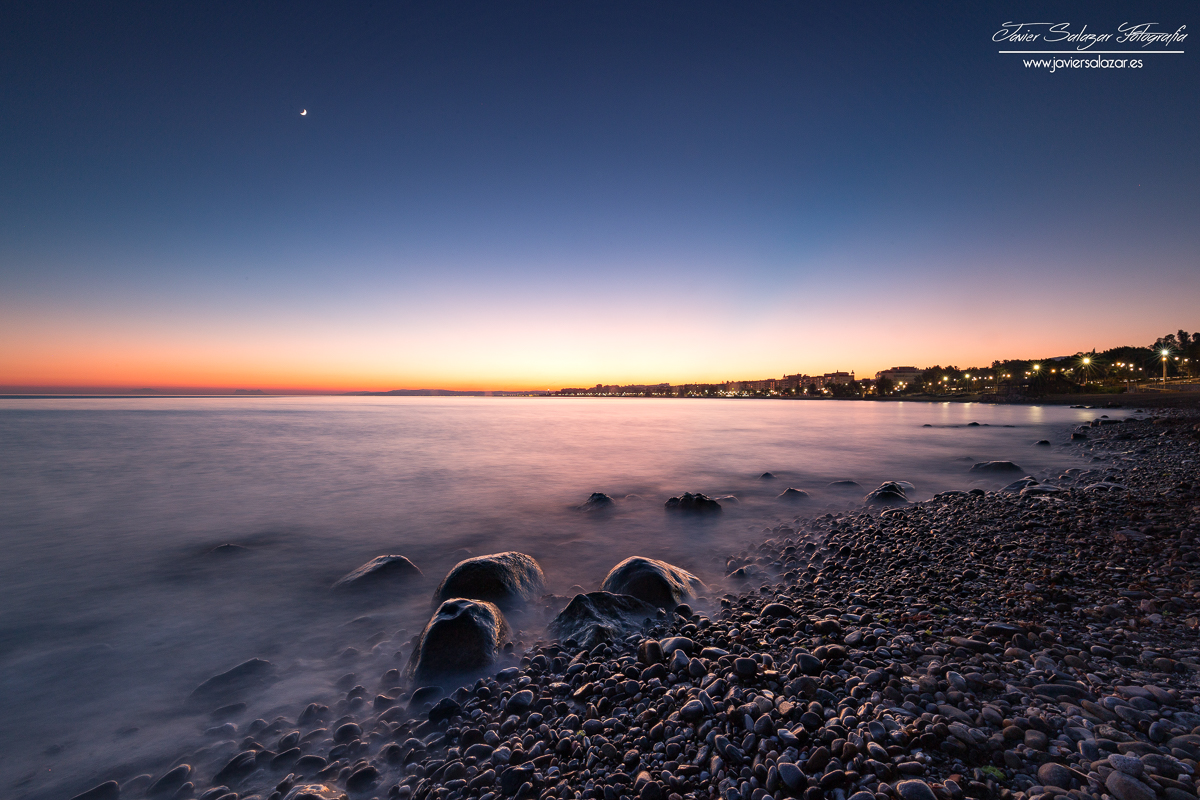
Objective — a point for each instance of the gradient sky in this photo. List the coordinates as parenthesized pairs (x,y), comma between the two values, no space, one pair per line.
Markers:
(544,194)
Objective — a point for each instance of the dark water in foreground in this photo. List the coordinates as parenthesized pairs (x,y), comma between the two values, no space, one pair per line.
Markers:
(113,605)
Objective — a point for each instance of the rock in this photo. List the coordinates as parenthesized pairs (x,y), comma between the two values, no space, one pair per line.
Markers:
(793,495)
(1130,765)
(776,610)
(519,703)
(1036,740)
(809,664)
(694,503)
(379,571)
(692,711)
(673,643)
(995,467)
(766,476)
(652,581)
(844,486)
(1043,442)
(463,636)
(347,732)
(890,493)
(793,777)
(914,790)
(245,677)
(1018,486)
(506,580)
(313,791)
(746,667)
(170,781)
(598,617)
(1054,774)
(237,767)
(109,790)
(1127,787)
(362,779)
(597,502)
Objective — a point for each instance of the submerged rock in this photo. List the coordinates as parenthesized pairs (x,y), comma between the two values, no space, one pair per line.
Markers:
(600,617)
(597,501)
(766,476)
(995,467)
(890,493)
(652,581)
(245,677)
(793,495)
(844,486)
(506,579)
(698,503)
(377,572)
(463,636)
(109,790)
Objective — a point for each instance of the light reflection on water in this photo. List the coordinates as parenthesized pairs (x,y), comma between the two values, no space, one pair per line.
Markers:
(113,607)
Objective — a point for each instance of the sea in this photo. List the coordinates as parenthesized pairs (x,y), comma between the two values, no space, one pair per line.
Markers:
(147,544)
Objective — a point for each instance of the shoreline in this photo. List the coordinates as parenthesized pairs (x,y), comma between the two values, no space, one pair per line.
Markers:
(994,646)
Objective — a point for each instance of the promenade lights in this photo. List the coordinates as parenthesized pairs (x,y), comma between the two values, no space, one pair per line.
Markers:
(1164,357)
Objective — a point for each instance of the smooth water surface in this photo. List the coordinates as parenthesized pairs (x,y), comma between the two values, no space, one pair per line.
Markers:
(114,604)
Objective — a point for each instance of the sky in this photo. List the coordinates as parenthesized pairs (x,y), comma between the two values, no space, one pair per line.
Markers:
(525,195)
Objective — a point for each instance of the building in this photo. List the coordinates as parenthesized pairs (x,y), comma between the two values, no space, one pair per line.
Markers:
(900,376)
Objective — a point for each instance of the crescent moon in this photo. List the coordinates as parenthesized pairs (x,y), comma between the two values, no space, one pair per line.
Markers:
(304,112)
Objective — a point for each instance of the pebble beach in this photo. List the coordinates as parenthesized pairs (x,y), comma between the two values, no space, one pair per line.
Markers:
(1032,642)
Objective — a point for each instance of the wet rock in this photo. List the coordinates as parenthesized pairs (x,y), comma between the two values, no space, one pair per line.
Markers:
(693,503)
(793,495)
(242,679)
(597,502)
(915,790)
(995,468)
(379,572)
(313,791)
(1054,774)
(652,581)
(109,790)
(598,617)
(463,636)
(1127,787)
(844,486)
(363,779)
(170,781)
(793,777)
(506,580)
(890,493)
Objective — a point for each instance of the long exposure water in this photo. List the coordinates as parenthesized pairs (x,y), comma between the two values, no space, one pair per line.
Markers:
(116,599)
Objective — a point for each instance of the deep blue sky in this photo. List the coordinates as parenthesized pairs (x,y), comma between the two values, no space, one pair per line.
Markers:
(535,193)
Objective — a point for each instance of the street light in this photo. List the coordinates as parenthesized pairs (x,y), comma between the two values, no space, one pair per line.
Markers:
(1164,357)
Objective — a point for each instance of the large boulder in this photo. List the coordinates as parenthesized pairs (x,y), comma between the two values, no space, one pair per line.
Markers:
(652,581)
(463,636)
(995,468)
(377,573)
(890,493)
(507,579)
(694,503)
(600,617)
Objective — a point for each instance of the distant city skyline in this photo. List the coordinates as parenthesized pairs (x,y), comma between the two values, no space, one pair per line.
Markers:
(485,196)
